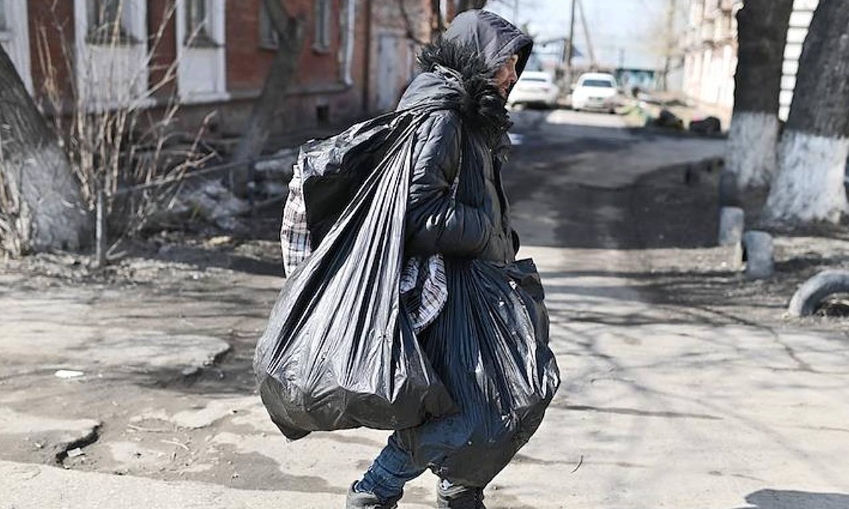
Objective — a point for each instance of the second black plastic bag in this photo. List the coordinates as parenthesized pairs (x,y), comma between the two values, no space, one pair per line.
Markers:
(339,350)
(490,347)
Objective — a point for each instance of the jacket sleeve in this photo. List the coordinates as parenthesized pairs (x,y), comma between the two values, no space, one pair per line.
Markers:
(437,223)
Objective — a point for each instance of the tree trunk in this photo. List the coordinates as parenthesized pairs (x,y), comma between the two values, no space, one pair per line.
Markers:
(290,36)
(465,5)
(753,137)
(812,154)
(437,26)
(44,201)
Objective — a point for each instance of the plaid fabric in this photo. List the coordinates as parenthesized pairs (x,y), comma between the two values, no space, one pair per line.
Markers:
(294,236)
(424,288)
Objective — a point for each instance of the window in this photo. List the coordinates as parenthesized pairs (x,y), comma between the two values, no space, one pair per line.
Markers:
(105,24)
(597,83)
(198,24)
(268,37)
(322,25)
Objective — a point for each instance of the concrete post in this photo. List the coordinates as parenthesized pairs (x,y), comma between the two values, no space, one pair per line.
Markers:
(760,255)
(731,223)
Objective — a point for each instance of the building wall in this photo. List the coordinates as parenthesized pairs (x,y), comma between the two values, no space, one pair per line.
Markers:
(711,52)
(162,27)
(711,58)
(393,51)
(51,31)
(330,85)
(320,92)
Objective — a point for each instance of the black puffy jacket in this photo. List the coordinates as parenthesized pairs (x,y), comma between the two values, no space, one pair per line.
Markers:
(457,204)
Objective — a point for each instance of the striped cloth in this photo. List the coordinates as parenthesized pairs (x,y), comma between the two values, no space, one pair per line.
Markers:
(424,288)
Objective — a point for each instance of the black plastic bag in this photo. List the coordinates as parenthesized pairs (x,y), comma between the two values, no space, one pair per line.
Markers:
(339,350)
(490,348)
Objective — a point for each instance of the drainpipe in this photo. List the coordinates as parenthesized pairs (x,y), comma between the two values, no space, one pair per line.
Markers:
(367,63)
(350,42)
(345,55)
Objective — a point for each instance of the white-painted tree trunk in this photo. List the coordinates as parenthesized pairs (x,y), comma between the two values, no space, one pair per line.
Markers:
(51,212)
(752,146)
(809,185)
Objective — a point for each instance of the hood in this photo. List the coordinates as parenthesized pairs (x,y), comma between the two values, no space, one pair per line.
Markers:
(492,37)
(458,68)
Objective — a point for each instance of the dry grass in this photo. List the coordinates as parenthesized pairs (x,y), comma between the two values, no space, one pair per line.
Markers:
(113,140)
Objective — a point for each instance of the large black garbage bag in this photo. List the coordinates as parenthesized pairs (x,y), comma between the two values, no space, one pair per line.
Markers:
(490,348)
(339,350)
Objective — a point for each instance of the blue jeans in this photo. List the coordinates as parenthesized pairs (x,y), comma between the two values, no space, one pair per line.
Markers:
(392,469)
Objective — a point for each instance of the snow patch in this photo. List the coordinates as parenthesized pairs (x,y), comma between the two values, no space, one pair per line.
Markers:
(752,144)
(809,186)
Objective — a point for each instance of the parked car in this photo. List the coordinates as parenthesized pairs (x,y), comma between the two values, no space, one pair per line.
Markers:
(596,91)
(536,88)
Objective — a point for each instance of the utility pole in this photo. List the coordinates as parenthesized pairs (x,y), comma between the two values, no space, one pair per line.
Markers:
(571,50)
(590,49)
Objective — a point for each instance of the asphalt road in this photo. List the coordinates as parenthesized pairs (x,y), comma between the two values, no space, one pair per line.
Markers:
(660,407)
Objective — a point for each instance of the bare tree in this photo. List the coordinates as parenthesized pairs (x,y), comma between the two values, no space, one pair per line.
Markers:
(753,138)
(465,5)
(42,206)
(663,38)
(815,145)
(435,17)
(290,37)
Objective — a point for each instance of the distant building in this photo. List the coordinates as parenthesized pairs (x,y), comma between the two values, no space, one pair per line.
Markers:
(630,79)
(710,49)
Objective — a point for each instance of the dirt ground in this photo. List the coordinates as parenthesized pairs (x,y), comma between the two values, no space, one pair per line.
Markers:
(227,284)
(675,229)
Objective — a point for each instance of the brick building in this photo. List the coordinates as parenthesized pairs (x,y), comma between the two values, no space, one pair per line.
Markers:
(357,57)
(711,51)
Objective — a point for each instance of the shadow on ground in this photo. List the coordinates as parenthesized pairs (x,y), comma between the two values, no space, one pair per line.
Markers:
(783,499)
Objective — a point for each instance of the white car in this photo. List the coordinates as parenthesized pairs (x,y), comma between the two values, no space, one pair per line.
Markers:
(596,91)
(535,88)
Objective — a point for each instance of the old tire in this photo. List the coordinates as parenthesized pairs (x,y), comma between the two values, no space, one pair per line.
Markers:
(813,291)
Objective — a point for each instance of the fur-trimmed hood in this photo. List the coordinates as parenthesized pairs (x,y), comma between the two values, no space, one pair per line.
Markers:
(458,68)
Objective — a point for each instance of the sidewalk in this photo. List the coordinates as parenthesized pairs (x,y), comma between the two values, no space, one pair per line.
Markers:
(662,405)
(39,487)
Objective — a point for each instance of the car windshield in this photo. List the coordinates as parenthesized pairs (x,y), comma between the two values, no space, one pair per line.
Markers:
(535,79)
(597,84)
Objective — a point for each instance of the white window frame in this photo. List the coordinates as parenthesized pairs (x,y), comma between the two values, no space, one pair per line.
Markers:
(16,38)
(349,25)
(97,61)
(203,36)
(126,30)
(215,48)
(323,27)
(268,37)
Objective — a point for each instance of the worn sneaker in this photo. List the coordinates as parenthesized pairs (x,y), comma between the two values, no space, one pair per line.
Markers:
(458,497)
(364,500)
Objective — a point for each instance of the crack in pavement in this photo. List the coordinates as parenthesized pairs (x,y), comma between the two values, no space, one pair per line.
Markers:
(88,439)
